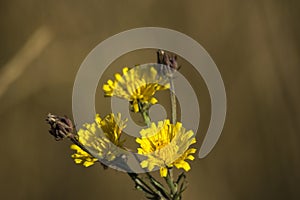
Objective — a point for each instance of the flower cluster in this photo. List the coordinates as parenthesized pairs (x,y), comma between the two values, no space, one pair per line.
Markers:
(162,145)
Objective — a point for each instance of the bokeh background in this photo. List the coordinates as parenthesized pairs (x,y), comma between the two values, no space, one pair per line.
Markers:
(255,44)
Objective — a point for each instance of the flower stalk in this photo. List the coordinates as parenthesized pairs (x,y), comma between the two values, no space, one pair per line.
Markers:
(171,62)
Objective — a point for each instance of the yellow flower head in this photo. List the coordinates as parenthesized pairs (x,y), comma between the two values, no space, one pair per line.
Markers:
(166,145)
(101,138)
(137,85)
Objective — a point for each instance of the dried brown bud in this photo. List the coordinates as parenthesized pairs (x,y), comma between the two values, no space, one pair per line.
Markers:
(167,59)
(60,127)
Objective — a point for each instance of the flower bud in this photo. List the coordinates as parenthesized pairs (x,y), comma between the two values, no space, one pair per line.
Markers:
(60,127)
(167,59)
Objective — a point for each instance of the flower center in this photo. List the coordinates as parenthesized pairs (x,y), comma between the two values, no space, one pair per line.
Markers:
(160,144)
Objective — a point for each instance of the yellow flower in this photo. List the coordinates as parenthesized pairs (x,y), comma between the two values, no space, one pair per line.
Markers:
(101,138)
(166,145)
(137,85)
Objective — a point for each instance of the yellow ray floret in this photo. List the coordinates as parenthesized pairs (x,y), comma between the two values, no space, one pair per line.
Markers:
(137,85)
(166,145)
(101,138)
(82,157)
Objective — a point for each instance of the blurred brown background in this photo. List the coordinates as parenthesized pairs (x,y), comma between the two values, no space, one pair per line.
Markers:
(255,44)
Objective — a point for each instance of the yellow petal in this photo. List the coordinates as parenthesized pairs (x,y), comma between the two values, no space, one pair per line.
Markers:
(190,157)
(135,107)
(118,77)
(163,171)
(153,100)
(110,83)
(88,164)
(183,165)
(125,70)
(106,88)
(144,164)
(77,161)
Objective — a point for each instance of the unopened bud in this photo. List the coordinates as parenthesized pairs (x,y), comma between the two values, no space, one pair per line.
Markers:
(60,127)
(167,59)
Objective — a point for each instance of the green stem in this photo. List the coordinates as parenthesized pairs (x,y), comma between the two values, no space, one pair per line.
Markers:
(170,182)
(158,189)
(75,141)
(140,184)
(145,114)
(158,186)
(169,178)
(173,101)
(146,118)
